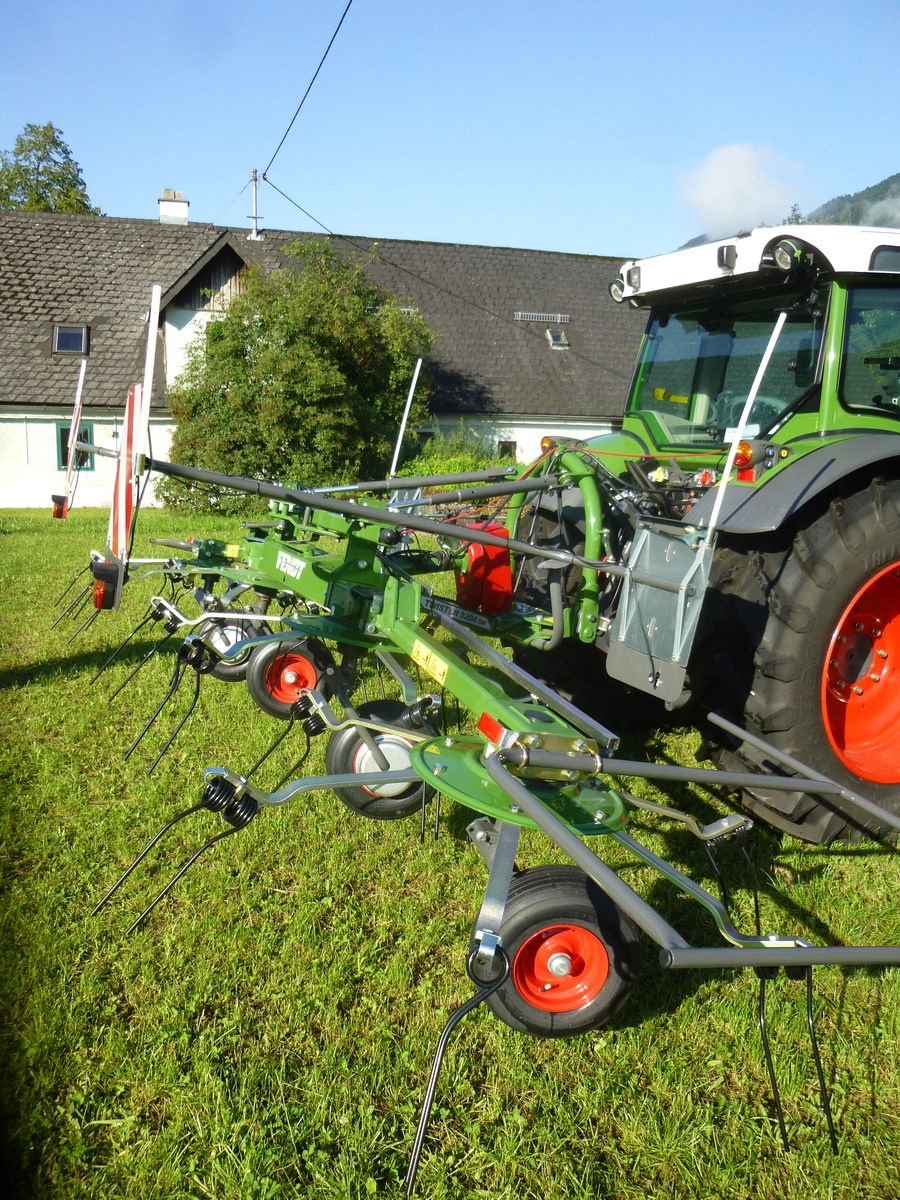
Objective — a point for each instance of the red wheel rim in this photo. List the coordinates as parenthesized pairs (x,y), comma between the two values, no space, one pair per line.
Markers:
(560,968)
(861,684)
(288,674)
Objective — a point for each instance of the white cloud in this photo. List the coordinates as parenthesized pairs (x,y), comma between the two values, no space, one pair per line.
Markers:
(740,186)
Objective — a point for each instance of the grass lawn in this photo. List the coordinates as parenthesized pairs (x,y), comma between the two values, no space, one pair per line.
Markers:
(268,1032)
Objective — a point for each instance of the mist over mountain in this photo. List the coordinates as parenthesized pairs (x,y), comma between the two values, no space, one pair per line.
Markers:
(878,205)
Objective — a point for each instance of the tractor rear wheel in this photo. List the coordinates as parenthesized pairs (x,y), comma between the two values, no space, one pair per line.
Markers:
(810,658)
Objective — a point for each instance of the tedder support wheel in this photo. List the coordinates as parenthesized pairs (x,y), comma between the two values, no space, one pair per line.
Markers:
(812,657)
(223,634)
(348,754)
(572,953)
(278,672)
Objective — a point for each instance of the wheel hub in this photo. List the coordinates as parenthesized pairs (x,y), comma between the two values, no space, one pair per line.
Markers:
(860,682)
(559,964)
(396,750)
(560,968)
(288,675)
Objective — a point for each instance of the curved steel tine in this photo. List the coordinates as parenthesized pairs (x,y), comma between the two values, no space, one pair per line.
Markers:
(59,599)
(143,854)
(274,746)
(763,974)
(121,646)
(817,1059)
(182,870)
(297,765)
(178,727)
(65,612)
(153,649)
(484,991)
(173,687)
(85,625)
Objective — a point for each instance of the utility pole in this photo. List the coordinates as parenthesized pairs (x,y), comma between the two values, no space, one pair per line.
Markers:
(254,235)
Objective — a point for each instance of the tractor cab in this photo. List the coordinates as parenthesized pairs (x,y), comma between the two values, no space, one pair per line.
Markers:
(815,310)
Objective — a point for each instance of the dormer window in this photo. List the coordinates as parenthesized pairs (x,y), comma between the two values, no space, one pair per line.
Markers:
(71,339)
(557,339)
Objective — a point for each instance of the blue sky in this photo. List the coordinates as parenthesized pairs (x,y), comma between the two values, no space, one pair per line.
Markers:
(591,127)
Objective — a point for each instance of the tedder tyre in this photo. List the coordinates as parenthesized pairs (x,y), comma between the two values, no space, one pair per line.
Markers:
(811,657)
(572,952)
(223,634)
(278,672)
(347,754)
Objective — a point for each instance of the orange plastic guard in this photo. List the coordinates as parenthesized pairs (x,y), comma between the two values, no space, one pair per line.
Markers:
(486,583)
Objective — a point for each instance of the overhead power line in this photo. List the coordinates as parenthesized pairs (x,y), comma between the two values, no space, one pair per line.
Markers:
(308,87)
(373,251)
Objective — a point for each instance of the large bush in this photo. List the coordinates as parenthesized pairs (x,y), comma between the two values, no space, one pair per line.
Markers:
(303,381)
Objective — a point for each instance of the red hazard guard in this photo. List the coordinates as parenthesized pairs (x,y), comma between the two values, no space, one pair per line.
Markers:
(491,728)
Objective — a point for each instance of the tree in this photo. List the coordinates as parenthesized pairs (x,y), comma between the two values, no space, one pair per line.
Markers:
(302,380)
(40,175)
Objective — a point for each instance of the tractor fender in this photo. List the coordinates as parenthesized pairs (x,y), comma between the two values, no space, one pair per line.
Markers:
(766,507)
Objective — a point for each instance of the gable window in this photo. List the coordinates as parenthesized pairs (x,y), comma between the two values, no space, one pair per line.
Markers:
(84,460)
(71,339)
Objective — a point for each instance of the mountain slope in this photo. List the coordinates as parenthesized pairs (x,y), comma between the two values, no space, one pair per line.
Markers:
(876,205)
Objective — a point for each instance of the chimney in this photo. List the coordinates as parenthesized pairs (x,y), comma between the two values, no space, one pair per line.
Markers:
(173,208)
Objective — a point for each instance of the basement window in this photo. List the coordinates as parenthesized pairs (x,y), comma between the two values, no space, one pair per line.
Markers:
(71,339)
(557,339)
(506,449)
(84,461)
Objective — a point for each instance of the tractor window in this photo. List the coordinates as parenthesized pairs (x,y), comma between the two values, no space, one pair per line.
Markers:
(871,371)
(698,367)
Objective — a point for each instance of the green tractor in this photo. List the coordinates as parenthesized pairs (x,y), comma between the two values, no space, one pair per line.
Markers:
(770,360)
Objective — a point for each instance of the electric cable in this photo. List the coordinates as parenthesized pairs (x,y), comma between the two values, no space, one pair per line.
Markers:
(374,253)
(308,88)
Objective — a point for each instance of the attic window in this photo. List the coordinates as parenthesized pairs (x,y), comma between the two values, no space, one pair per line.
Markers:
(557,339)
(71,339)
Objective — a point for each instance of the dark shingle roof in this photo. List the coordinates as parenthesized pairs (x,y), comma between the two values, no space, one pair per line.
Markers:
(98,271)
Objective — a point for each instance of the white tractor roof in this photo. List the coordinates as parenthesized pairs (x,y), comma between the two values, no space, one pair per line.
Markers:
(847,248)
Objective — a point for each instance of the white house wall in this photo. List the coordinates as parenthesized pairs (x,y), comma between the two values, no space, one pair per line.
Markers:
(526,432)
(29,475)
(183,325)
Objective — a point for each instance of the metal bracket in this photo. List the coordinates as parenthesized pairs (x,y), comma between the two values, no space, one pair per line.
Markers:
(501,843)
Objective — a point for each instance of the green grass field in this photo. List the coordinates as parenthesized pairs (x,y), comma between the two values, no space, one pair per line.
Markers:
(268,1032)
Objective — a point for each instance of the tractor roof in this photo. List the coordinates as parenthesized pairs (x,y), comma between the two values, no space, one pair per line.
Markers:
(837,248)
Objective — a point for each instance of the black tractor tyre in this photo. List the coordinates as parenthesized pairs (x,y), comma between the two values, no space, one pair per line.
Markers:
(799,642)
(348,754)
(573,955)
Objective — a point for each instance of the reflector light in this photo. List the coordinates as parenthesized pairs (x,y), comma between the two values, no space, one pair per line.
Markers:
(491,728)
(743,455)
(547,443)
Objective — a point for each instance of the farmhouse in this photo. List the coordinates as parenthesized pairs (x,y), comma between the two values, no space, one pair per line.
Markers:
(528,342)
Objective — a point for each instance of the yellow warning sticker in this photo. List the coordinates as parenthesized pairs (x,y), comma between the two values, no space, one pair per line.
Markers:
(430,662)
(233,551)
